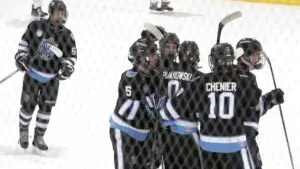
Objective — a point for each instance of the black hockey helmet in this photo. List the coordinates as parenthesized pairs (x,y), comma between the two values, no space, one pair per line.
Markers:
(221,54)
(58,5)
(189,53)
(249,51)
(142,48)
(170,38)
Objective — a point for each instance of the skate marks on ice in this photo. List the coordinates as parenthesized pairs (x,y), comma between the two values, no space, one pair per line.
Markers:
(53,152)
(176,14)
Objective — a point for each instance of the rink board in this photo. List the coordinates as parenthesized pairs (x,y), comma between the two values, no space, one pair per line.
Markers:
(285,2)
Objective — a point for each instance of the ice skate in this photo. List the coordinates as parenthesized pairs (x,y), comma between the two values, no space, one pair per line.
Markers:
(154,7)
(39,143)
(24,139)
(37,12)
(165,6)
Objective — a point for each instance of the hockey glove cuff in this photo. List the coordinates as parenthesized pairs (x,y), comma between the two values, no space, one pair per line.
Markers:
(22,61)
(273,98)
(66,70)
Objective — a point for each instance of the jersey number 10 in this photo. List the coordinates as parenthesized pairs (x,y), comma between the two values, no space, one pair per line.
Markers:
(224,114)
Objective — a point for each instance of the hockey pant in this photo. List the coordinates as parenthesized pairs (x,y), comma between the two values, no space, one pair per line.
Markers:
(35,93)
(128,152)
(180,151)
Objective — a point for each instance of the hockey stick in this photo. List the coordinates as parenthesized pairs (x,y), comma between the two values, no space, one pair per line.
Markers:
(56,50)
(156,146)
(9,76)
(226,20)
(153,29)
(281,114)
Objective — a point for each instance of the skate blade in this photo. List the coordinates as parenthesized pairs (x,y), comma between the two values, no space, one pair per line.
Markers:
(159,10)
(22,149)
(38,151)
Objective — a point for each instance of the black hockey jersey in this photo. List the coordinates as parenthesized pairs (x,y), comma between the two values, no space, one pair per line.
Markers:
(134,106)
(38,41)
(262,108)
(173,81)
(225,102)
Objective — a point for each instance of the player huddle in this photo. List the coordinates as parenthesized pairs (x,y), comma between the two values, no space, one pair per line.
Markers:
(170,114)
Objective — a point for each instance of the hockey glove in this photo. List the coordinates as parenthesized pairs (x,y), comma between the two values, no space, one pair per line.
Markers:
(22,61)
(273,98)
(66,70)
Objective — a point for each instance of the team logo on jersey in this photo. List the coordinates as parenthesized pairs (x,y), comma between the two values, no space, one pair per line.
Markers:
(131,74)
(39,32)
(44,51)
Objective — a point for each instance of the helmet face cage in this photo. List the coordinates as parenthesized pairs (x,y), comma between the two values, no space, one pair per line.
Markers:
(142,50)
(171,38)
(189,53)
(251,53)
(255,60)
(60,6)
(221,55)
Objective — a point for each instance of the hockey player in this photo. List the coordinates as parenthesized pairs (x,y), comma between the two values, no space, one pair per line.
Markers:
(36,10)
(182,151)
(224,101)
(165,5)
(131,122)
(251,56)
(47,53)
(168,49)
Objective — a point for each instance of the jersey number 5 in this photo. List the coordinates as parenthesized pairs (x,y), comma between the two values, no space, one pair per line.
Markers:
(222,97)
(128,90)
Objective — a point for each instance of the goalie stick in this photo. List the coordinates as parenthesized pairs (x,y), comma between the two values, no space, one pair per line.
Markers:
(225,21)
(281,114)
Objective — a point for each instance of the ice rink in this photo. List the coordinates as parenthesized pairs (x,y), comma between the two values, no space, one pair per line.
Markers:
(78,133)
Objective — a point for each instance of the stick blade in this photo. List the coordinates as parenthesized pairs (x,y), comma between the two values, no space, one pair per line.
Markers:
(153,29)
(56,51)
(231,17)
